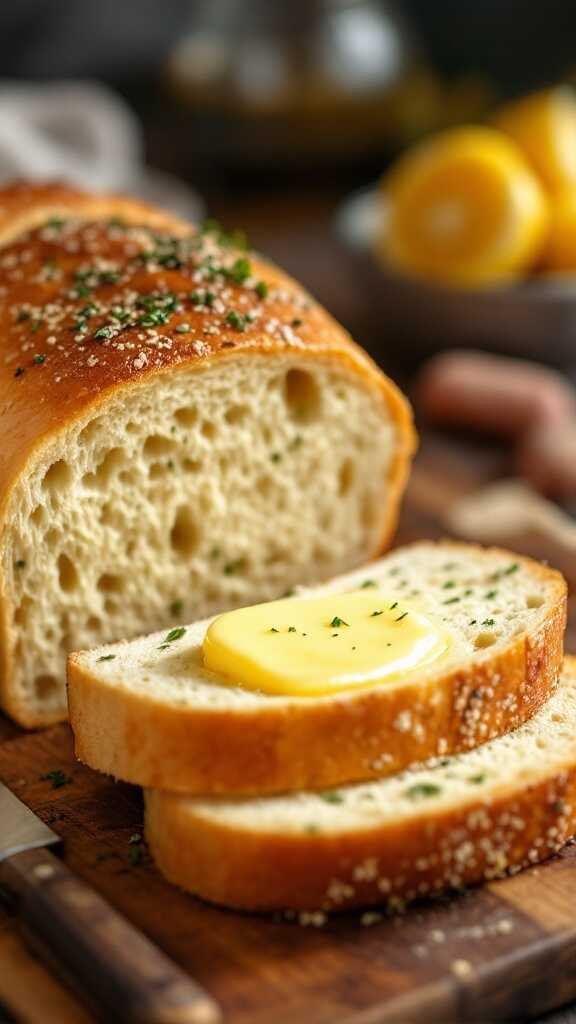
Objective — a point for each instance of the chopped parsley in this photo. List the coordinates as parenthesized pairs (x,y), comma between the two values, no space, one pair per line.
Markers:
(240,270)
(261,289)
(393,606)
(236,320)
(291,629)
(39,359)
(233,567)
(451,600)
(379,612)
(57,777)
(107,657)
(202,297)
(368,583)
(513,567)
(400,617)
(477,779)
(448,585)
(105,332)
(172,636)
(273,629)
(332,796)
(337,621)
(490,595)
(423,789)
(488,622)
(296,322)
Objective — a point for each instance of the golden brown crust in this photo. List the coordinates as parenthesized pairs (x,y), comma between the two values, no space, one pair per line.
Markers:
(321,744)
(69,261)
(482,838)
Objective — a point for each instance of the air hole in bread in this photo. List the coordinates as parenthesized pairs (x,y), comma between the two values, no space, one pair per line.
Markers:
(38,515)
(276,556)
(21,612)
(110,606)
(67,574)
(534,601)
(108,514)
(186,417)
(208,430)
(368,511)
(345,477)
(109,464)
(52,539)
(156,445)
(46,686)
(484,640)
(89,433)
(557,717)
(157,470)
(236,414)
(93,624)
(302,395)
(264,486)
(58,477)
(110,584)
(184,534)
(191,465)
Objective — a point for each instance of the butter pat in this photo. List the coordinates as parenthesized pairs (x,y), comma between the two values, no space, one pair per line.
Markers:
(304,647)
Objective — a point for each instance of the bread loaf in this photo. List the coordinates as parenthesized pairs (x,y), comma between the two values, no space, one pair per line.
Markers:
(184,430)
(151,713)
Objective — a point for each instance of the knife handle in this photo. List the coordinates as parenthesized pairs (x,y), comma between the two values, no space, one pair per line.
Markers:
(119,972)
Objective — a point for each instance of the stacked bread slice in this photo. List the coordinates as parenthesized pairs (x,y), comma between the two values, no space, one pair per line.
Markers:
(443,777)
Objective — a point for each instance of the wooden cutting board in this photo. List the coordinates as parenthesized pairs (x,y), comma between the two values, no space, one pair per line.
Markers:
(501,952)
(505,952)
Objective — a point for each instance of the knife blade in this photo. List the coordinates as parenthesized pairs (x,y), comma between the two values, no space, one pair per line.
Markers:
(114,967)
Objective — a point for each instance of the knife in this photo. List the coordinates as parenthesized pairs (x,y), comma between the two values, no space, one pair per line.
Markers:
(119,972)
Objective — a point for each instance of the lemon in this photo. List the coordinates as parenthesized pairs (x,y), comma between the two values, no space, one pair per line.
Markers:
(463,209)
(543,126)
(560,250)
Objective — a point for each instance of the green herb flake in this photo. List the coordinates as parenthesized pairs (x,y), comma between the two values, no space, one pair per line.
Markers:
(273,629)
(400,617)
(57,777)
(423,789)
(107,657)
(296,322)
(477,780)
(473,622)
(451,600)
(379,612)
(513,567)
(337,621)
(448,585)
(240,270)
(174,634)
(236,320)
(366,584)
(490,595)
(275,457)
(39,359)
(233,567)
(261,289)
(55,223)
(332,796)
(291,629)
(103,333)
(393,606)
(488,622)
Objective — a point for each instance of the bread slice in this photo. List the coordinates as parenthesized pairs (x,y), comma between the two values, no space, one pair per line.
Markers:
(185,430)
(154,715)
(453,822)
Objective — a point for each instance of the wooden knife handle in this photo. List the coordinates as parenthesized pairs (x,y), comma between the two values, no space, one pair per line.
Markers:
(113,966)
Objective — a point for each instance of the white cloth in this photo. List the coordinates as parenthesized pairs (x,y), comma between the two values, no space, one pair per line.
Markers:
(83,133)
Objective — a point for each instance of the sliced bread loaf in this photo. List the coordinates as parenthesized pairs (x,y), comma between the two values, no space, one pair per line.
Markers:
(185,430)
(509,804)
(151,713)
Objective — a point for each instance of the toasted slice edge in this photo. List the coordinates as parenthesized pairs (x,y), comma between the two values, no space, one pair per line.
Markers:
(141,711)
(456,821)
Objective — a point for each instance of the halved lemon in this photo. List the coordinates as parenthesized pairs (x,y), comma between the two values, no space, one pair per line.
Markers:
(464,209)
(560,250)
(543,126)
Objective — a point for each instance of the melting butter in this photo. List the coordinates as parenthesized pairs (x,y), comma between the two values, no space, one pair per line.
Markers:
(308,647)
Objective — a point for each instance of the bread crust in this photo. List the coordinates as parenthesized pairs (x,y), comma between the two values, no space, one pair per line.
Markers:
(322,743)
(50,378)
(482,838)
